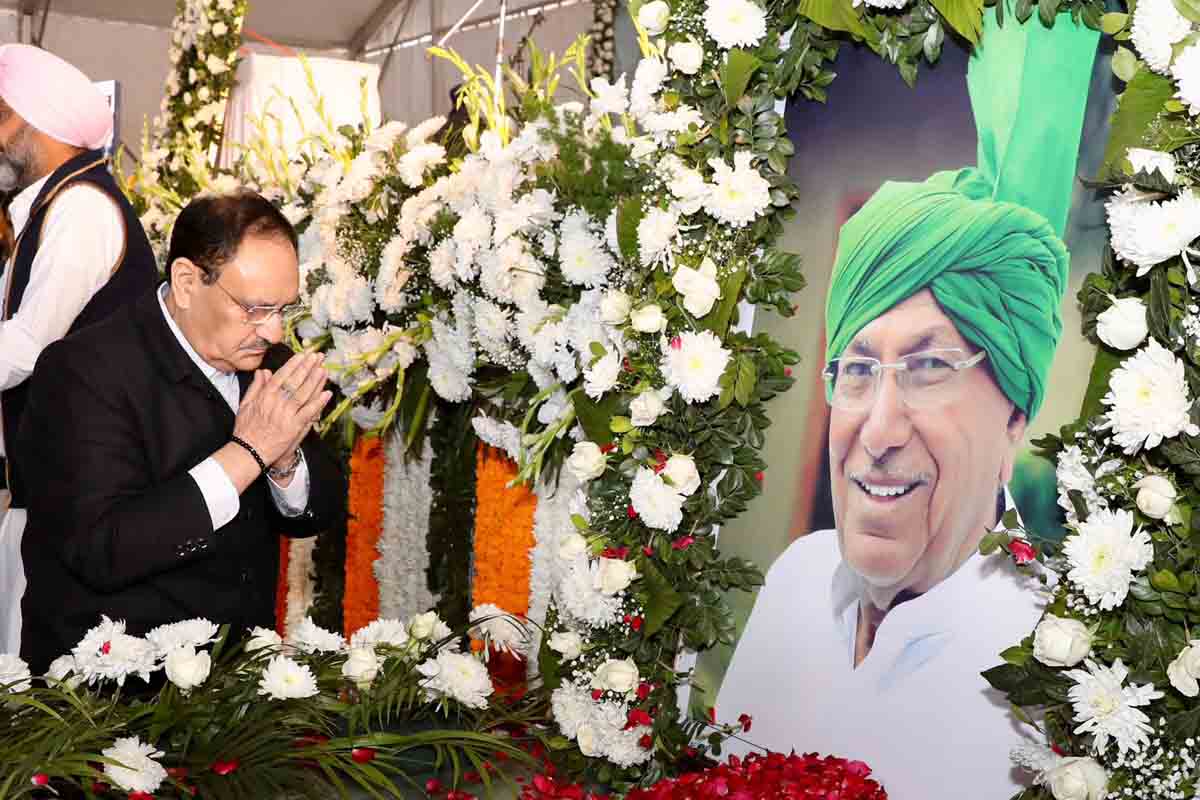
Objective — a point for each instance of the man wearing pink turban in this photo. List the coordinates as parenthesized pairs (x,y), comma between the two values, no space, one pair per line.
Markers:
(80,250)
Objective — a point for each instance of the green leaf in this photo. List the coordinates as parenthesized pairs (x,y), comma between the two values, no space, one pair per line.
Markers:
(1124,64)
(964,16)
(717,320)
(1016,655)
(991,542)
(1047,11)
(620,425)
(1158,311)
(662,601)
(745,380)
(1006,677)
(629,216)
(597,349)
(1142,101)
(549,665)
(580,523)
(735,73)
(836,15)
(1106,361)
(1165,581)
(1079,503)
(1011,520)
(1113,22)
(595,417)
(1190,9)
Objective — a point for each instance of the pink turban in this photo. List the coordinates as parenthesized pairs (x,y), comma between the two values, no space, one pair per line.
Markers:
(54,96)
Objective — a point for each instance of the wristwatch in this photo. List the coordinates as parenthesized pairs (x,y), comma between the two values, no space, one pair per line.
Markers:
(284,474)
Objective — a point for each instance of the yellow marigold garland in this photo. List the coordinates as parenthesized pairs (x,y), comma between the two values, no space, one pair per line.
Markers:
(503,534)
(360,603)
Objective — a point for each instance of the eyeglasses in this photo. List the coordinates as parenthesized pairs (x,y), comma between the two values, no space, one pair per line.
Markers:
(925,379)
(259,315)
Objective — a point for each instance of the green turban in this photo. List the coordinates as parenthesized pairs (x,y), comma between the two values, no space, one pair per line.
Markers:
(985,241)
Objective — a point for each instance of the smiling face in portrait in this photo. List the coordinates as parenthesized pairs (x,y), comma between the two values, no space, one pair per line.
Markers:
(914,489)
(263,272)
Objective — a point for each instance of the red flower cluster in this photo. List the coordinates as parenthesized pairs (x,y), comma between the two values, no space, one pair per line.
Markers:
(773,776)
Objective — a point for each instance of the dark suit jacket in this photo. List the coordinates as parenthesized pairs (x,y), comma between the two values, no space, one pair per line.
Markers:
(116,417)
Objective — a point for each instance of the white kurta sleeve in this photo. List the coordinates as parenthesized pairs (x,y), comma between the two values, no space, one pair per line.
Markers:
(82,238)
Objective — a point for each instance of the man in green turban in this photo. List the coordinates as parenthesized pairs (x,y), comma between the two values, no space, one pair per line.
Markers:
(941,324)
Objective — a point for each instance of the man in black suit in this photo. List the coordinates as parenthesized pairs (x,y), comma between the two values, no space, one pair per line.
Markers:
(146,438)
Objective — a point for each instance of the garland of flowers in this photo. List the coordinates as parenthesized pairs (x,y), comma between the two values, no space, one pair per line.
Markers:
(363,529)
(503,534)
(1111,669)
(179,151)
(403,565)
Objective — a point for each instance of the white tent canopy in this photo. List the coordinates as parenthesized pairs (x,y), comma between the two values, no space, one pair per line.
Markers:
(127,40)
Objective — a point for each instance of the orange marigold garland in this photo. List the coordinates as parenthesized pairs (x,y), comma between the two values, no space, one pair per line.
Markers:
(503,534)
(360,603)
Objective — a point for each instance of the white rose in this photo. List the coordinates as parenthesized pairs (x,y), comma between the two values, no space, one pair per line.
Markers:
(614,575)
(187,668)
(646,408)
(614,307)
(568,643)
(616,675)
(586,461)
(687,57)
(1077,779)
(1156,496)
(654,17)
(682,472)
(362,666)
(699,287)
(1183,671)
(220,29)
(586,737)
(261,639)
(422,625)
(1059,642)
(572,546)
(648,319)
(1122,326)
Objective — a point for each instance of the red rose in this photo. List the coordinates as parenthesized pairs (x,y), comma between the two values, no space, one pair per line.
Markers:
(1022,551)
(362,755)
(225,767)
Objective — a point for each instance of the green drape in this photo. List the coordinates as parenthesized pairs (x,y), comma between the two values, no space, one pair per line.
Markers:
(985,240)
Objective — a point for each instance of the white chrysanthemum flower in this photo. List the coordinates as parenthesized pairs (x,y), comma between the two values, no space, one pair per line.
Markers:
(1104,554)
(1107,709)
(740,194)
(106,652)
(459,677)
(441,264)
(1072,473)
(1144,160)
(686,184)
(262,639)
(499,434)
(1186,71)
(602,376)
(647,81)
(610,98)
(583,260)
(189,633)
(385,136)
(572,706)
(360,179)
(498,628)
(138,770)
(658,504)
(418,135)
(1148,399)
(309,637)
(1035,758)
(417,161)
(660,125)
(1145,233)
(1157,25)
(285,679)
(735,23)
(493,323)
(577,594)
(693,363)
(473,231)
(385,631)
(656,232)
(14,673)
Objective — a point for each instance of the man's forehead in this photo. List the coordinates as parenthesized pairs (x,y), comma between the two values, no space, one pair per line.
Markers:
(915,324)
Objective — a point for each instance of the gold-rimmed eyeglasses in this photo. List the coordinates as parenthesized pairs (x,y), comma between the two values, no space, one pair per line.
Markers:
(259,315)
(924,379)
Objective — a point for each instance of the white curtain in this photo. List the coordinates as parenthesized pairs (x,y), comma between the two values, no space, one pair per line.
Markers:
(266,83)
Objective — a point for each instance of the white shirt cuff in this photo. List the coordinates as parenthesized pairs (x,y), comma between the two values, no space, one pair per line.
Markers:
(291,500)
(220,495)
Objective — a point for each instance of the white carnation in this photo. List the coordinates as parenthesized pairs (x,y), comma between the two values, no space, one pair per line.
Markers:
(384,137)
(602,376)
(1148,400)
(419,160)
(658,504)
(735,23)
(135,769)
(693,363)
(1104,554)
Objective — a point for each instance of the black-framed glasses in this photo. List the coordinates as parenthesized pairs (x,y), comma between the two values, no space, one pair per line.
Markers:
(259,315)
(926,379)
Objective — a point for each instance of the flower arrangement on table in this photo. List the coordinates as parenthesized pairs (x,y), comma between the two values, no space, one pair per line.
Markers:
(1109,677)
(269,717)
